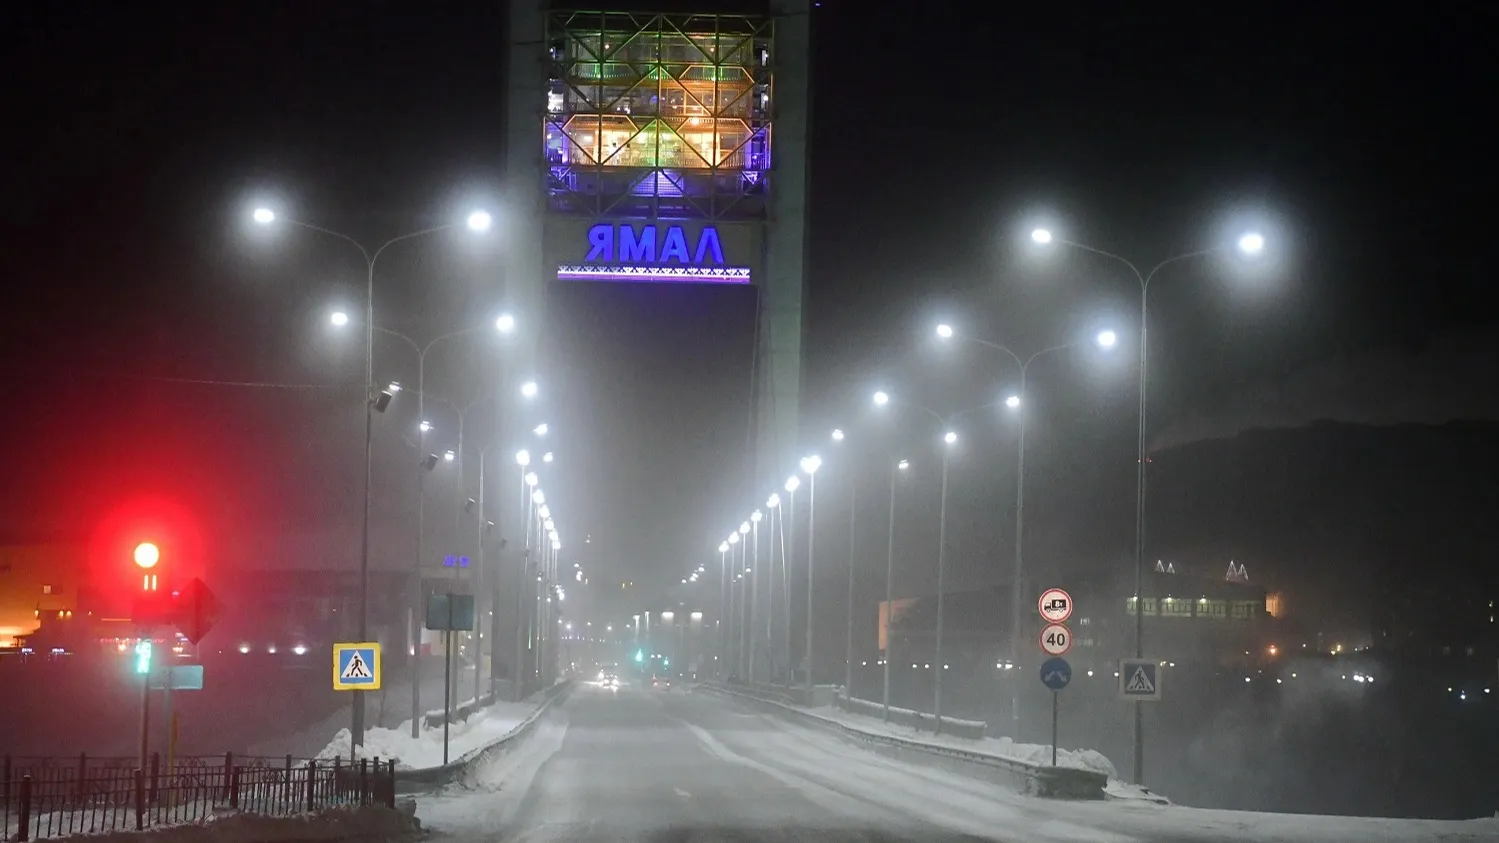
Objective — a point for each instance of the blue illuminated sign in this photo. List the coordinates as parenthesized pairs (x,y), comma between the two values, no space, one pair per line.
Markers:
(638,244)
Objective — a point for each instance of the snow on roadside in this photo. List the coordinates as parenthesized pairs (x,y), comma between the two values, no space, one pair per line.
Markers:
(1031,753)
(425,751)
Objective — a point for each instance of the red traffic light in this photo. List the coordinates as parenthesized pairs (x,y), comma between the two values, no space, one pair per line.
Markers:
(146,555)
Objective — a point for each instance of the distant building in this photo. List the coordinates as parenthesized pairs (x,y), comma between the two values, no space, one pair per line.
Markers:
(37,581)
(1187,619)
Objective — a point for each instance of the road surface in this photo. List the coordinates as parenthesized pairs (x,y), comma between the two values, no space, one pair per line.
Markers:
(690,767)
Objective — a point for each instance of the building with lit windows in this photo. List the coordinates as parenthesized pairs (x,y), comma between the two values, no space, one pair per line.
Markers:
(37,581)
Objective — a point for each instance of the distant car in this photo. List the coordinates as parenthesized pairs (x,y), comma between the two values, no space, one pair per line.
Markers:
(660,684)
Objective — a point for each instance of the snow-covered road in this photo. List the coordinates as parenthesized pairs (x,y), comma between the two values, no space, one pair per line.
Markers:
(679,766)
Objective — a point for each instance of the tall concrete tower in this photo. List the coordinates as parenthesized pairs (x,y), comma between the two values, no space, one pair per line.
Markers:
(666,147)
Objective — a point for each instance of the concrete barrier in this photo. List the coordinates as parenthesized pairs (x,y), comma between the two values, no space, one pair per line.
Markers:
(413,781)
(971,729)
(1010,773)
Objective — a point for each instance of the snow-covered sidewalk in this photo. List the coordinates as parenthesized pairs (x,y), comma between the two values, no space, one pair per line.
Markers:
(484,727)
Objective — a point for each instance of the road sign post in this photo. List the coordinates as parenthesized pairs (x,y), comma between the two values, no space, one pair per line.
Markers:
(1055,605)
(449,613)
(1056,674)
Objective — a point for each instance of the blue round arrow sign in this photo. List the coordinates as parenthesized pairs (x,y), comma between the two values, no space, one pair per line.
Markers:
(1056,673)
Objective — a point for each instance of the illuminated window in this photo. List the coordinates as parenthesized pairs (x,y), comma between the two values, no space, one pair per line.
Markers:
(46,589)
(1212,608)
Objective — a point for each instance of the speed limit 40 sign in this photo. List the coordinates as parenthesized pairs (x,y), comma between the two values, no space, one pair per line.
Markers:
(1056,639)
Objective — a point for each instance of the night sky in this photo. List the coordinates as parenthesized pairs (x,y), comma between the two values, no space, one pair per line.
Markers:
(139,143)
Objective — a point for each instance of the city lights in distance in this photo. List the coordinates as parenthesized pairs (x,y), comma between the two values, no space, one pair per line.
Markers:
(504,323)
(1107,339)
(264,216)
(338,318)
(1041,236)
(480,221)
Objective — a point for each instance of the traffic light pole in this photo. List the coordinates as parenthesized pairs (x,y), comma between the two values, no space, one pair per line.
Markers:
(145,708)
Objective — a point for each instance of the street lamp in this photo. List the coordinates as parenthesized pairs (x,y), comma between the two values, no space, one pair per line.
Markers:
(266,216)
(900,466)
(523,458)
(810,466)
(339,318)
(1250,244)
(504,323)
(528,389)
(1104,339)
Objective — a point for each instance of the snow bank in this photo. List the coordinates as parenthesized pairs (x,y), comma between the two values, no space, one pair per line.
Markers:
(364,824)
(1031,753)
(425,751)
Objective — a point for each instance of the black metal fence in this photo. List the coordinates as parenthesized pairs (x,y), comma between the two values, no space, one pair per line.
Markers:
(55,797)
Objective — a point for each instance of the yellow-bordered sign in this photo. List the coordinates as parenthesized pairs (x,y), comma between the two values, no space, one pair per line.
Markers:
(356,667)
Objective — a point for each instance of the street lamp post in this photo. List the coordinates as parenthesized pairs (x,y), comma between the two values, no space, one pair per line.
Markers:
(896,467)
(777,528)
(788,553)
(1019,403)
(810,466)
(723,603)
(477,221)
(754,590)
(1251,244)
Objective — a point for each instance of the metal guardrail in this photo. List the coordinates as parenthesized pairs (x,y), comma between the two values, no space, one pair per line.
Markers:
(408,781)
(1012,773)
(44,799)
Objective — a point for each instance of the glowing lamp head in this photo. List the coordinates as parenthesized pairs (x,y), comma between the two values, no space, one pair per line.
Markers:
(504,323)
(146,555)
(338,318)
(944,331)
(734,538)
(837,434)
(528,389)
(881,399)
(756,516)
(480,221)
(951,438)
(264,216)
(523,458)
(811,464)
(1041,236)
(793,483)
(449,455)
(744,528)
(1107,339)
(1012,402)
(723,547)
(903,465)
(1252,243)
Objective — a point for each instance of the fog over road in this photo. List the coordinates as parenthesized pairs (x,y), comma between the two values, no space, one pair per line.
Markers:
(637,765)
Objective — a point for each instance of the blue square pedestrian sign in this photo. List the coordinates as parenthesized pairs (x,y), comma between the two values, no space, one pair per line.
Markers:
(1140,680)
(356,667)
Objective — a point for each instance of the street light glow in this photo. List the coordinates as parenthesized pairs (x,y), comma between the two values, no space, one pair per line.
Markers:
(504,323)
(944,331)
(528,389)
(1252,243)
(793,483)
(744,528)
(1107,339)
(425,427)
(339,318)
(756,516)
(538,497)
(523,458)
(881,399)
(837,434)
(479,221)
(773,501)
(1012,402)
(903,465)
(723,547)
(811,464)
(547,457)
(1041,236)
(733,538)
(395,386)
(532,479)
(545,512)
(449,455)
(264,216)
(951,437)
(540,429)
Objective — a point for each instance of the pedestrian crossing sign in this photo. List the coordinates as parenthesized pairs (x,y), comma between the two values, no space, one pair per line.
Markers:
(356,667)
(1140,680)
